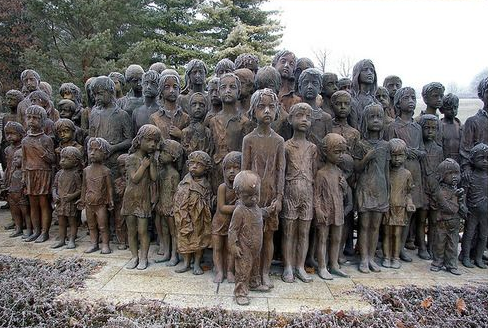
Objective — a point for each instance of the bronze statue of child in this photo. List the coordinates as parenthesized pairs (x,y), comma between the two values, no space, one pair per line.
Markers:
(214,101)
(297,213)
(452,208)
(224,66)
(392,83)
(97,194)
(196,136)
(329,87)
(65,131)
(285,63)
(191,209)
(364,85)
(341,105)
(475,184)
(248,61)
(263,152)
(383,97)
(119,81)
(142,173)
(150,92)
(347,167)
(119,188)
(330,189)
(371,155)
(451,127)
(37,166)
(195,75)
(169,159)
(66,192)
(17,200)
(223,258)
(345,84)
(246,236)
(133,99)
(170,118)
(400,204)
(246,77)
(429,163)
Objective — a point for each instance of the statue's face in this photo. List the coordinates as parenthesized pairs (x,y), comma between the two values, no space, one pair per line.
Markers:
(197,75)
(118,85)
(433,99)
(383,97)
(407,102)
(309,87)
(213,93)
(150,88)
(228,89)
(66,111)
(135,82)
(329,85)
(286,66)
(171,89)
(392,86)
(342,106)
(102,97)
(198,108)
(30,82)
(366,75)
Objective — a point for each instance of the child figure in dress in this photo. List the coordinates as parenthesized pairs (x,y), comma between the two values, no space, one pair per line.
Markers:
(66,192)
(451,208)
(400,204)
(141,166)
(329,193)
(168,179)
(17,201)
(433,157)
(119,188)
(297,213)
(246,236)
(196,136)
(192,211)
(371,156)
(65,131)
(97,194)
(37,166)
(263,152)
(475,184)
(226,203)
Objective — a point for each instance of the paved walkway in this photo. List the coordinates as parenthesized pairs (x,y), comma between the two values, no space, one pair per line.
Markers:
(115,283)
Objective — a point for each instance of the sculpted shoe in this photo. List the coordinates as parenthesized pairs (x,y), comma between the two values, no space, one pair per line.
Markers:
(338,272)
(132,264)
(16,233)
(105,249)
(287,276)
(303,276)
(142,264)
(423,254)
(324,274)
(404,257)
(467,263)
(386,263)
(395,264)
(374,267)
(91,249)
(42,238)
(455,271)
(364,267)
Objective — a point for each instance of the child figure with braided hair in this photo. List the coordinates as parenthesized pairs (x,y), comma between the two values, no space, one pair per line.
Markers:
(66,191)
(97,194)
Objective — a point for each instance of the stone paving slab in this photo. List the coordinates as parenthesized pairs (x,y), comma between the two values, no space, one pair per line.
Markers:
(115,283)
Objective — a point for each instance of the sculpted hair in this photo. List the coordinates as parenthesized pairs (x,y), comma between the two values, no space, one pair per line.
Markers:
(431,87)
(39,95)
(343,82)
(244,74)
(268,77)
(202,157)
(426,118)
(446,166)
(479,148)
(280,54)
(133,70)
(101,144)
(232,75)
(340,93)
(73,153)
(67,101)
(449,101)
(146,131)
(71,88)
(298,108)
(194,63)
(19,96)
(333,140)
(14,127)
(397,146)
(37,110)
(225,64)
(356,71)
(399,95)
(173,148)
(105,83)
(328,76)
(27,71)
(363,128)
(256,99)
(234,157)
(482,87)
(391,78)
(247,179)
(158,67)
(64,123)
(165,77)
(313,73)
(243,59)
(46,87)
(152,76)
(117,76)
(305,62)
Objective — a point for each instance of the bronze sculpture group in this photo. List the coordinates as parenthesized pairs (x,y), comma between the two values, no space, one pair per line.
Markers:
(253,158)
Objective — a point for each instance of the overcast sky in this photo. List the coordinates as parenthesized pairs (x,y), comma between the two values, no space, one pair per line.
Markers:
(419,40)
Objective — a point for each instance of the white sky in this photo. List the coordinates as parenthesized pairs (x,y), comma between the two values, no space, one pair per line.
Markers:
(419,40)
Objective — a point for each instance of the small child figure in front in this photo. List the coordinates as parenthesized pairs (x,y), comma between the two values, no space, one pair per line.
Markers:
(191,209)
(297,213)
(329,192)
(196,136)
(263,152)
(475,185)
(246,236)
(17,200)
(66,192)
(37,167)
(168,179)
(97,194)
(451,127)
(226,203)
(119,188)
(451,208)
(141,166)
(400,204)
